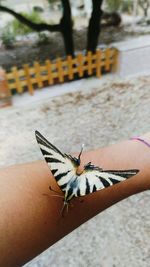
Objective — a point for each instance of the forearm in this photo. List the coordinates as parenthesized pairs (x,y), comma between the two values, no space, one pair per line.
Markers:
(30,221)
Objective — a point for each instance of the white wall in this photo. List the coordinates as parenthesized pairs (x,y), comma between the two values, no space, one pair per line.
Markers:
(88,7)
(134,56)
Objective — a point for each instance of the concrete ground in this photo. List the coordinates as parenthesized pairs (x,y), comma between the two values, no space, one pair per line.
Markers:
(101,112)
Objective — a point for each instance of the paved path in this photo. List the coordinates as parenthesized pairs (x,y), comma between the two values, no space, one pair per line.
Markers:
(111,110)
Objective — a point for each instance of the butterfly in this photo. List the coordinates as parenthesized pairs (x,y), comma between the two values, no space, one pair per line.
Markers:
(72,182)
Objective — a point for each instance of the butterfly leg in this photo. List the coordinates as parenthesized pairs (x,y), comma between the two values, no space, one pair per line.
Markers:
(53,196)
(67,208)
(63,209)
(56,195)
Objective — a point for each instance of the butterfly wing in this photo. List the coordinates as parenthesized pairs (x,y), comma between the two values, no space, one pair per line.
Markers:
(62,166)
(94,179)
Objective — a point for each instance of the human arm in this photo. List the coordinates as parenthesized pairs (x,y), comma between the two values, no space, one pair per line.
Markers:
(30,221)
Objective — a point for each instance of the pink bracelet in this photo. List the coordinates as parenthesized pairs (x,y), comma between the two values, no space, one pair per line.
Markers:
(141,140)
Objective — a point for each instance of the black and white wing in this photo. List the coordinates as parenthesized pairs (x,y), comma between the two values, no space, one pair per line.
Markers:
(62,166)
(94,179)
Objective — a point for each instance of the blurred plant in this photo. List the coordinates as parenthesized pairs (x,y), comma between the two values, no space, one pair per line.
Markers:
(144,5)
(127,6)
(65,25)
(8,37)
(38,9)
(52,1)
(113,5)
(20,29)
(42,38)
(119,5)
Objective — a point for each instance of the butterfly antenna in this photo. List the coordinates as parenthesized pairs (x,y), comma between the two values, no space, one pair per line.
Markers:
(80,154)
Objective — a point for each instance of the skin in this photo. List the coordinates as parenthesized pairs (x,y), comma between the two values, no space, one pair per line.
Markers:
(30,218)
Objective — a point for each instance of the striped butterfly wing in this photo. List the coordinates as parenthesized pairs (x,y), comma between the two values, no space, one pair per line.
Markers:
(94,179)
(62,166)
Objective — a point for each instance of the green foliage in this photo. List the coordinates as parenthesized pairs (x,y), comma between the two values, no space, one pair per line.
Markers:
(113,5)
(52,1)
(119,5)
(42,39)
(8,37)
(19,28)
(127,6)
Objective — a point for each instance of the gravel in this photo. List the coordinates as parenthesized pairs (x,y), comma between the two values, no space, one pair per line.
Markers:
(103,114)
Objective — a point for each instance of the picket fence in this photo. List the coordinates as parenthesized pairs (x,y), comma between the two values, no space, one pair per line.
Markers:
(61,70)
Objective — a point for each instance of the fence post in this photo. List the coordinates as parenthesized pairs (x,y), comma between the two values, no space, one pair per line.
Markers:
(98,63)
(80,60)
(5,95)
(17,79)
(115,60)
(60,70)
(107,59)
(28,78)
(49,71)
(89,63)
(38,75)
(70,68)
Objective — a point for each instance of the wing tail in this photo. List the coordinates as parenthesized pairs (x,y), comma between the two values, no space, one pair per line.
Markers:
(94,179)
(61,165)
(44,142)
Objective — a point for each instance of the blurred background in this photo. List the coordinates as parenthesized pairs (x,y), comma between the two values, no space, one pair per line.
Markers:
(98,107)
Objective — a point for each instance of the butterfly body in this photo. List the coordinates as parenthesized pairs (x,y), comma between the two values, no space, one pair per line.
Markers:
(71,189)
(73,180)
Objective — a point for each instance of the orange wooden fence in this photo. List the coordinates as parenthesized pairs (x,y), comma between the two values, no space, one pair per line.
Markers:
(50,72)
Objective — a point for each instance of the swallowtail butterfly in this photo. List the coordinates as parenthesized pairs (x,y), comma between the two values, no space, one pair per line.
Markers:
(65,171)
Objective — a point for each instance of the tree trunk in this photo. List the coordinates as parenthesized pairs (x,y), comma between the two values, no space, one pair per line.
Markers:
(145,12)
(67,28)
(94,25)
